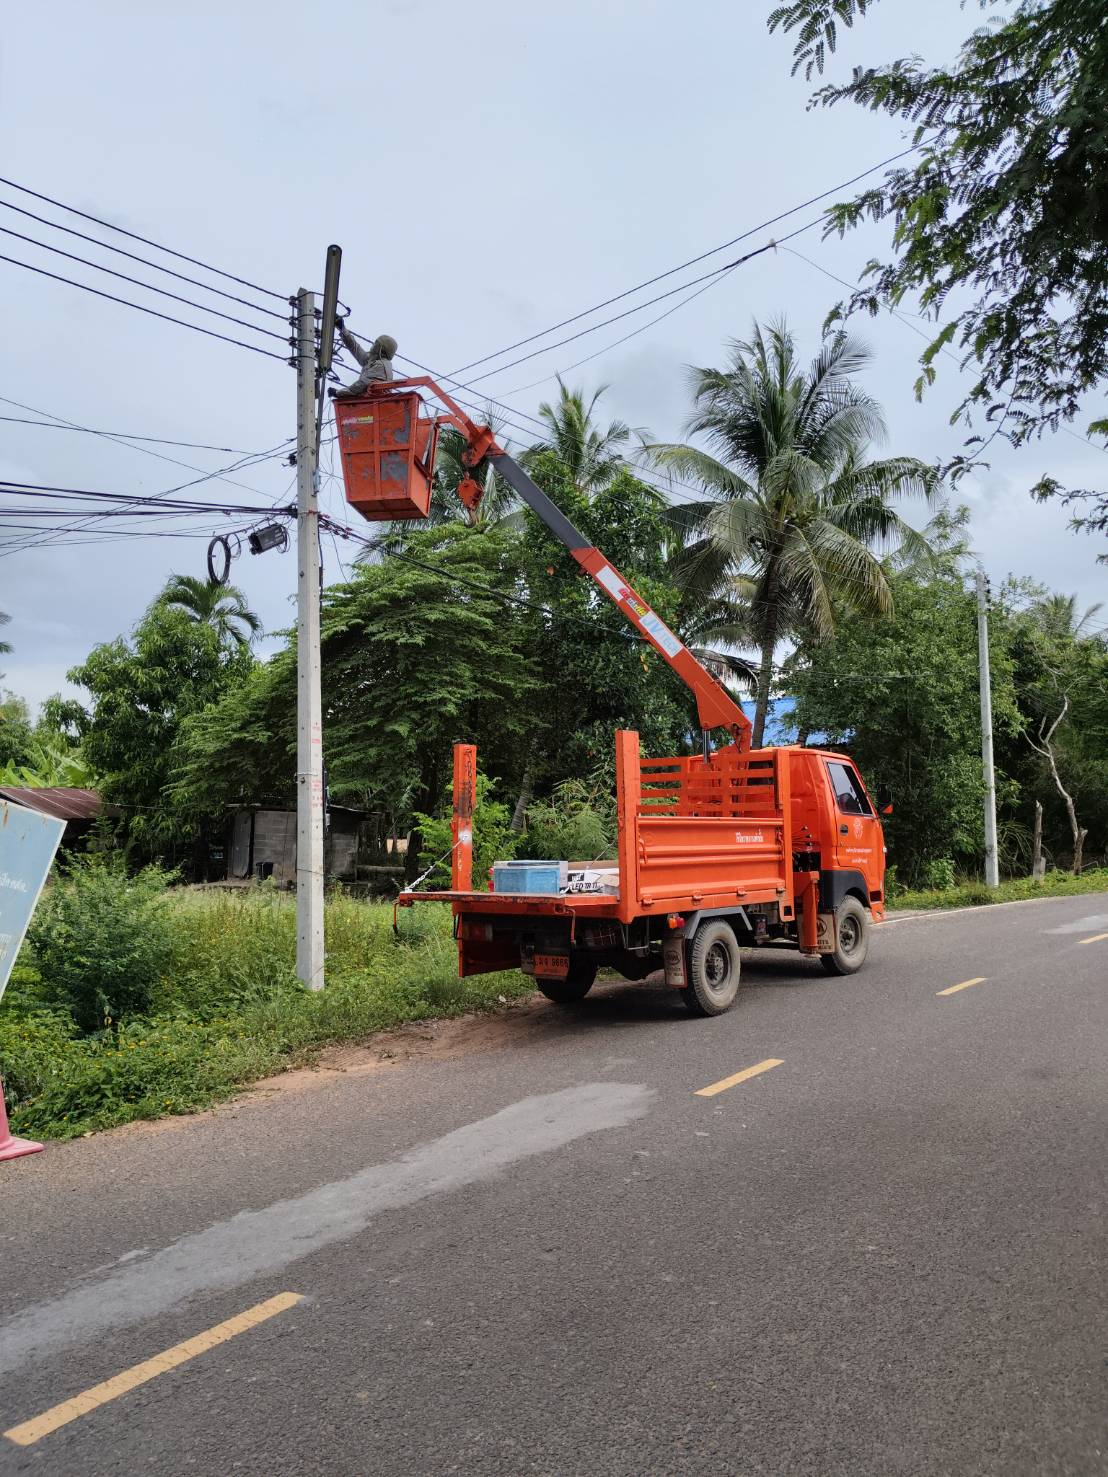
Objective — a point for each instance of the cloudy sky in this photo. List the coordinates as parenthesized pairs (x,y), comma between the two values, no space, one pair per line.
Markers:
(488,169)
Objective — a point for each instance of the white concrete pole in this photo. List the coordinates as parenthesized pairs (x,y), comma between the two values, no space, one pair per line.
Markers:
(309,704)
(992,869)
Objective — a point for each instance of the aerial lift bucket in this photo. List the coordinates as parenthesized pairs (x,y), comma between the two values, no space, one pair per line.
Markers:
(387,443)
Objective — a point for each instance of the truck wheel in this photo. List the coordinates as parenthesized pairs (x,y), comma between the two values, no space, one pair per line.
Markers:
(851,939)
(576,985)
(714,964)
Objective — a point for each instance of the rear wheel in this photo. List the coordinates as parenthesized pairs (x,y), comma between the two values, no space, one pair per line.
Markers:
(851,939)
(576,985)
(714,964)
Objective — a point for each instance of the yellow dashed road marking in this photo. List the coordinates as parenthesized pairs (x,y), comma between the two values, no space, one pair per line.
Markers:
(1096,939)
(743,1076)
(978,979)
(60,1415)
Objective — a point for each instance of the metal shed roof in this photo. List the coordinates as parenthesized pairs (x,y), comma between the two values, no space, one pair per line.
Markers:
(62,801)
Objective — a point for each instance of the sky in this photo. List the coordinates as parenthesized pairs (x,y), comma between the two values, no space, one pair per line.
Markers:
(488,170)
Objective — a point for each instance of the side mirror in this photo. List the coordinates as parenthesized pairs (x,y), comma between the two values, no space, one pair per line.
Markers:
(887,809)
(884,800)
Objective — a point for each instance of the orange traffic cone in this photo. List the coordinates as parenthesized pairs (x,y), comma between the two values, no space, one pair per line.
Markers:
(11,1147)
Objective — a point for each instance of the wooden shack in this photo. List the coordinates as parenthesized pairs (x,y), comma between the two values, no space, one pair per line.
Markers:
(261,844)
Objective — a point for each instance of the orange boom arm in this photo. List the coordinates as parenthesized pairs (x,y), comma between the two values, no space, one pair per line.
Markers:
(715,706)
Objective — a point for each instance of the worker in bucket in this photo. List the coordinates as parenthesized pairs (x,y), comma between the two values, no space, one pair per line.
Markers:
(376,362)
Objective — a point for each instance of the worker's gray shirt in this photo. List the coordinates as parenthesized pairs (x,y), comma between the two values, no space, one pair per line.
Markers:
(375,370)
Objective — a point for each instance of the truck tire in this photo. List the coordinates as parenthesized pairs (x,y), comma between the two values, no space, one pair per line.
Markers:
(851,939)
(576,985)
(714,964)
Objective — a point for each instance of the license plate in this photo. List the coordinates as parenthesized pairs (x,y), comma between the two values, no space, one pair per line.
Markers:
(552,966)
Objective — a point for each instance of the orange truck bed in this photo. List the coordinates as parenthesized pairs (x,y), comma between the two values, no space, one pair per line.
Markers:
(692,835)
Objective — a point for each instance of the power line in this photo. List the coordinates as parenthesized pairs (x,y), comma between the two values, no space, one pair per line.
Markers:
(146,241)
(105,535)
(617,317)
(692,261)
(132,500)
(21,489)
(120,439)
(126,302)
(146,286)
(19,420)
(145,261)
(557,374)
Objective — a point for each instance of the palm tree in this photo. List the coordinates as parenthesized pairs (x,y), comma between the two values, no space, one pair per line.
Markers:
(498,501)
(1057,616)
(223,607)
(794,511)
(5,646)
(591,456)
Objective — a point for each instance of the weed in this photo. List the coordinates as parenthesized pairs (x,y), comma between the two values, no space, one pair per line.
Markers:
(227,1008)
(974,893)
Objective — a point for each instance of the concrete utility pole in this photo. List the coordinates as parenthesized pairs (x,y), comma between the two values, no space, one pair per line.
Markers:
(992,869)
(309,703)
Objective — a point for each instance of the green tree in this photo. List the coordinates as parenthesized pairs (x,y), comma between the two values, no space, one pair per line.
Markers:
(241,748)
(141,690)
(1061,676)
(419,650)
(1000,222)
(17,739)
(901,695)
(102,940)
(34,755)
(5,646)
(794,510)
(222,607)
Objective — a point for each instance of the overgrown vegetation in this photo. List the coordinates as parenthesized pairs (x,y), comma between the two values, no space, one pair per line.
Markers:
(103,941)
(1017,889)
(223,1008)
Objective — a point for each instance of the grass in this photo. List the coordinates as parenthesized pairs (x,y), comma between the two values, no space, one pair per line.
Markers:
(229,1009)
(1018,889)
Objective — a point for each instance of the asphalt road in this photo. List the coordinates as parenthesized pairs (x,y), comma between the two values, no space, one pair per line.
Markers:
(884,1254)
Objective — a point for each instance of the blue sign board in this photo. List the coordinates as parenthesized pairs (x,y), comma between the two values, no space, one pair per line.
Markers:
(28,841)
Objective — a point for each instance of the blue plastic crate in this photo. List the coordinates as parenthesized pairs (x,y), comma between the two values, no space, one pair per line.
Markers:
(541,878)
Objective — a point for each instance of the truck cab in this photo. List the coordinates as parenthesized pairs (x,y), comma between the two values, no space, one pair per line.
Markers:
(836,830)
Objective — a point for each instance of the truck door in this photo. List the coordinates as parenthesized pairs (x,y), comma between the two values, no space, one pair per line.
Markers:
(859,842)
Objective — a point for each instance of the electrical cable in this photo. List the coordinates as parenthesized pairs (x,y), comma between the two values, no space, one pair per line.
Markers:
(120,439)
(48,490)
(661,297)
(146,241)
(692,262)
(567,368)
(19,420)
(126,302)
(154,266)
(84,520)
(146,286)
